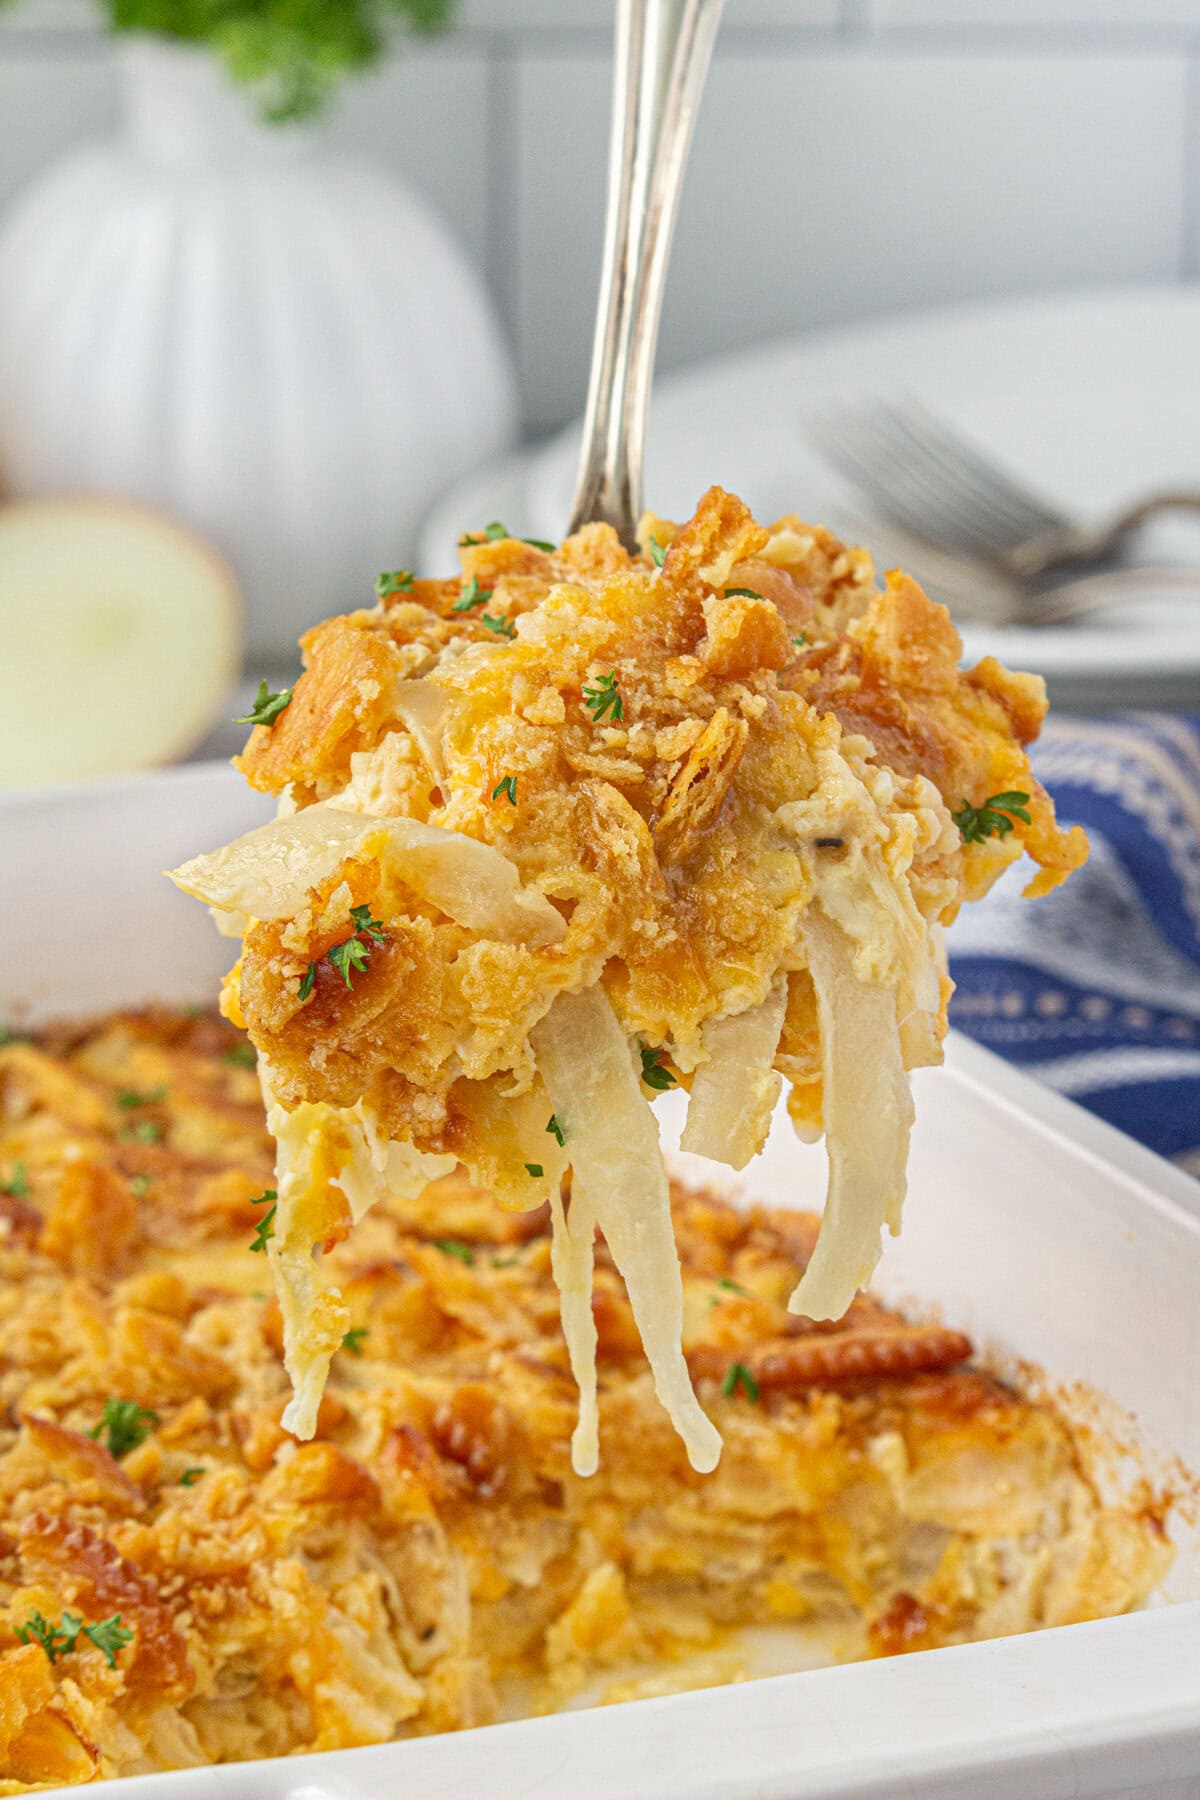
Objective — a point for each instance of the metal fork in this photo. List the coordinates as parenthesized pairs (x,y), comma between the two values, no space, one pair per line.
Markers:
(945,492)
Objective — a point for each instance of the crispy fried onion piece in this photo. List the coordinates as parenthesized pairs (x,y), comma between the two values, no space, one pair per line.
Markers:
(269,872)
(317,1145)
(734,1092)
(618,1182)
(868,1116)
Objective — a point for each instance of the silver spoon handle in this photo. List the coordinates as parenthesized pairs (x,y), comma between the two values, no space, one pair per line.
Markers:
(661,58)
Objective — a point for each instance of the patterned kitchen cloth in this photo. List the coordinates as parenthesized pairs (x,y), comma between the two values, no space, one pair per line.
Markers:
(1096,988)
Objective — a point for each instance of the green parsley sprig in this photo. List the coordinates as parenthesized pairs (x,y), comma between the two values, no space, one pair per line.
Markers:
(353,1339)
(267,706)
(455,1247)
(108,1635)
(555,1130)
(124,1425)
(500,623)
(394,581)
(738,1376)
(653,1074)
(742,593)
(657,554)
(472,595)
(496,532)
(535,1170)
(17,1185)
(264,1231)
(353,953)
(603,697)
(240,1056)
(129,1098)
(994,818)
(507,786)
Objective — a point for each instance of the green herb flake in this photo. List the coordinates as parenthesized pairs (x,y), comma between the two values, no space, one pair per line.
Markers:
(455,1247)
(353,1340)
(109,1637)
(742,594)
(535,1169)
(123,1426)
(17,1184)
(140,1185)
(142,1131)
(190,1477)
(555,1129)
(507,786)
(657,554)
(505,1262)
(994,818)
(267,706)
(363,922)
(8,1036)
(264,1231)
(394,581)
(800,640)
(603,697)
(499,623)
(240,1056)
(653,1074)
(472,596)
(53,1639)
(733,1286)
(307,981)
(738,1376)
(129,1098)
(347,957)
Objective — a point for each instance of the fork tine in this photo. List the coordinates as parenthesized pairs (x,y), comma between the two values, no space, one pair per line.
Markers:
(974,468)
(924,476)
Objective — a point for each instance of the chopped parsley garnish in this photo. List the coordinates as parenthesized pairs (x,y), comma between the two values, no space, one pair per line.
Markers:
(267,706)
(505,1262)
(555,1129)
(394,581)
(108,1635)
(800,640)
(653,1074)
(17,1184)
(472,595)
(123,1426)
(500,623)
(603,697)
(507,786)
(140,1185)
(657,553)
(351,954)
(455,1247)
(354,1338)
(346,957)
(142,1131)
(8,1036)
(495,532)
(738,1376)
(264,1231)
(734,1286)
(992,819)
(742,594)
(131,1097)
(535,1169)
(240,1056)
(190,1477)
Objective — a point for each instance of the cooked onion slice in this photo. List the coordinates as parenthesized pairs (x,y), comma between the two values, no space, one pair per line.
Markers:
(571,1263)
(424,708)
(734,1093)
(618,1182)
(314,1145)
(269,873)
(868,1116)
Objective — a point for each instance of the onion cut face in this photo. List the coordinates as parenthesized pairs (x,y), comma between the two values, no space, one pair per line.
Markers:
(868,1117)
(618,1182)
(269,873)
(734,1093)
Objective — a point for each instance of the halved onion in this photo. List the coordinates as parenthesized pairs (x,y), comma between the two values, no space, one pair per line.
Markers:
(268,873)
(734,1092)
(618,1182)
(868,1114)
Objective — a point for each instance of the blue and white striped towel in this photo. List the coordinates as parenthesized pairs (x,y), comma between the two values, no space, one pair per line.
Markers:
(1096,988)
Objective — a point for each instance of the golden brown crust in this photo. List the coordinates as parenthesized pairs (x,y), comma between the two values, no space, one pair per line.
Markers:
(431,1542)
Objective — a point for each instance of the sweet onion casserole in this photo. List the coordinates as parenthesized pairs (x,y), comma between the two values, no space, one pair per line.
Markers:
(183,1583)
(576,826)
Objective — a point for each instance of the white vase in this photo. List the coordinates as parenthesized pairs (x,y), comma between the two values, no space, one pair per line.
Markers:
(274,340)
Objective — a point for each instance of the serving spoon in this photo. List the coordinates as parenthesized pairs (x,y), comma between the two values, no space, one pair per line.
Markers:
(662,53)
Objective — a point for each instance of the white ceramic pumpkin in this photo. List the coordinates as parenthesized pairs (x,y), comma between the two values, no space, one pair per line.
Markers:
(275,341)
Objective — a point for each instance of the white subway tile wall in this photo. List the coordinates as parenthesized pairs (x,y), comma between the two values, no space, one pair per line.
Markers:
(853,156)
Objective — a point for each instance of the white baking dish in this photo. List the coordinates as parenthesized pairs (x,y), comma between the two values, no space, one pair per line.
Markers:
(1041,1231)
